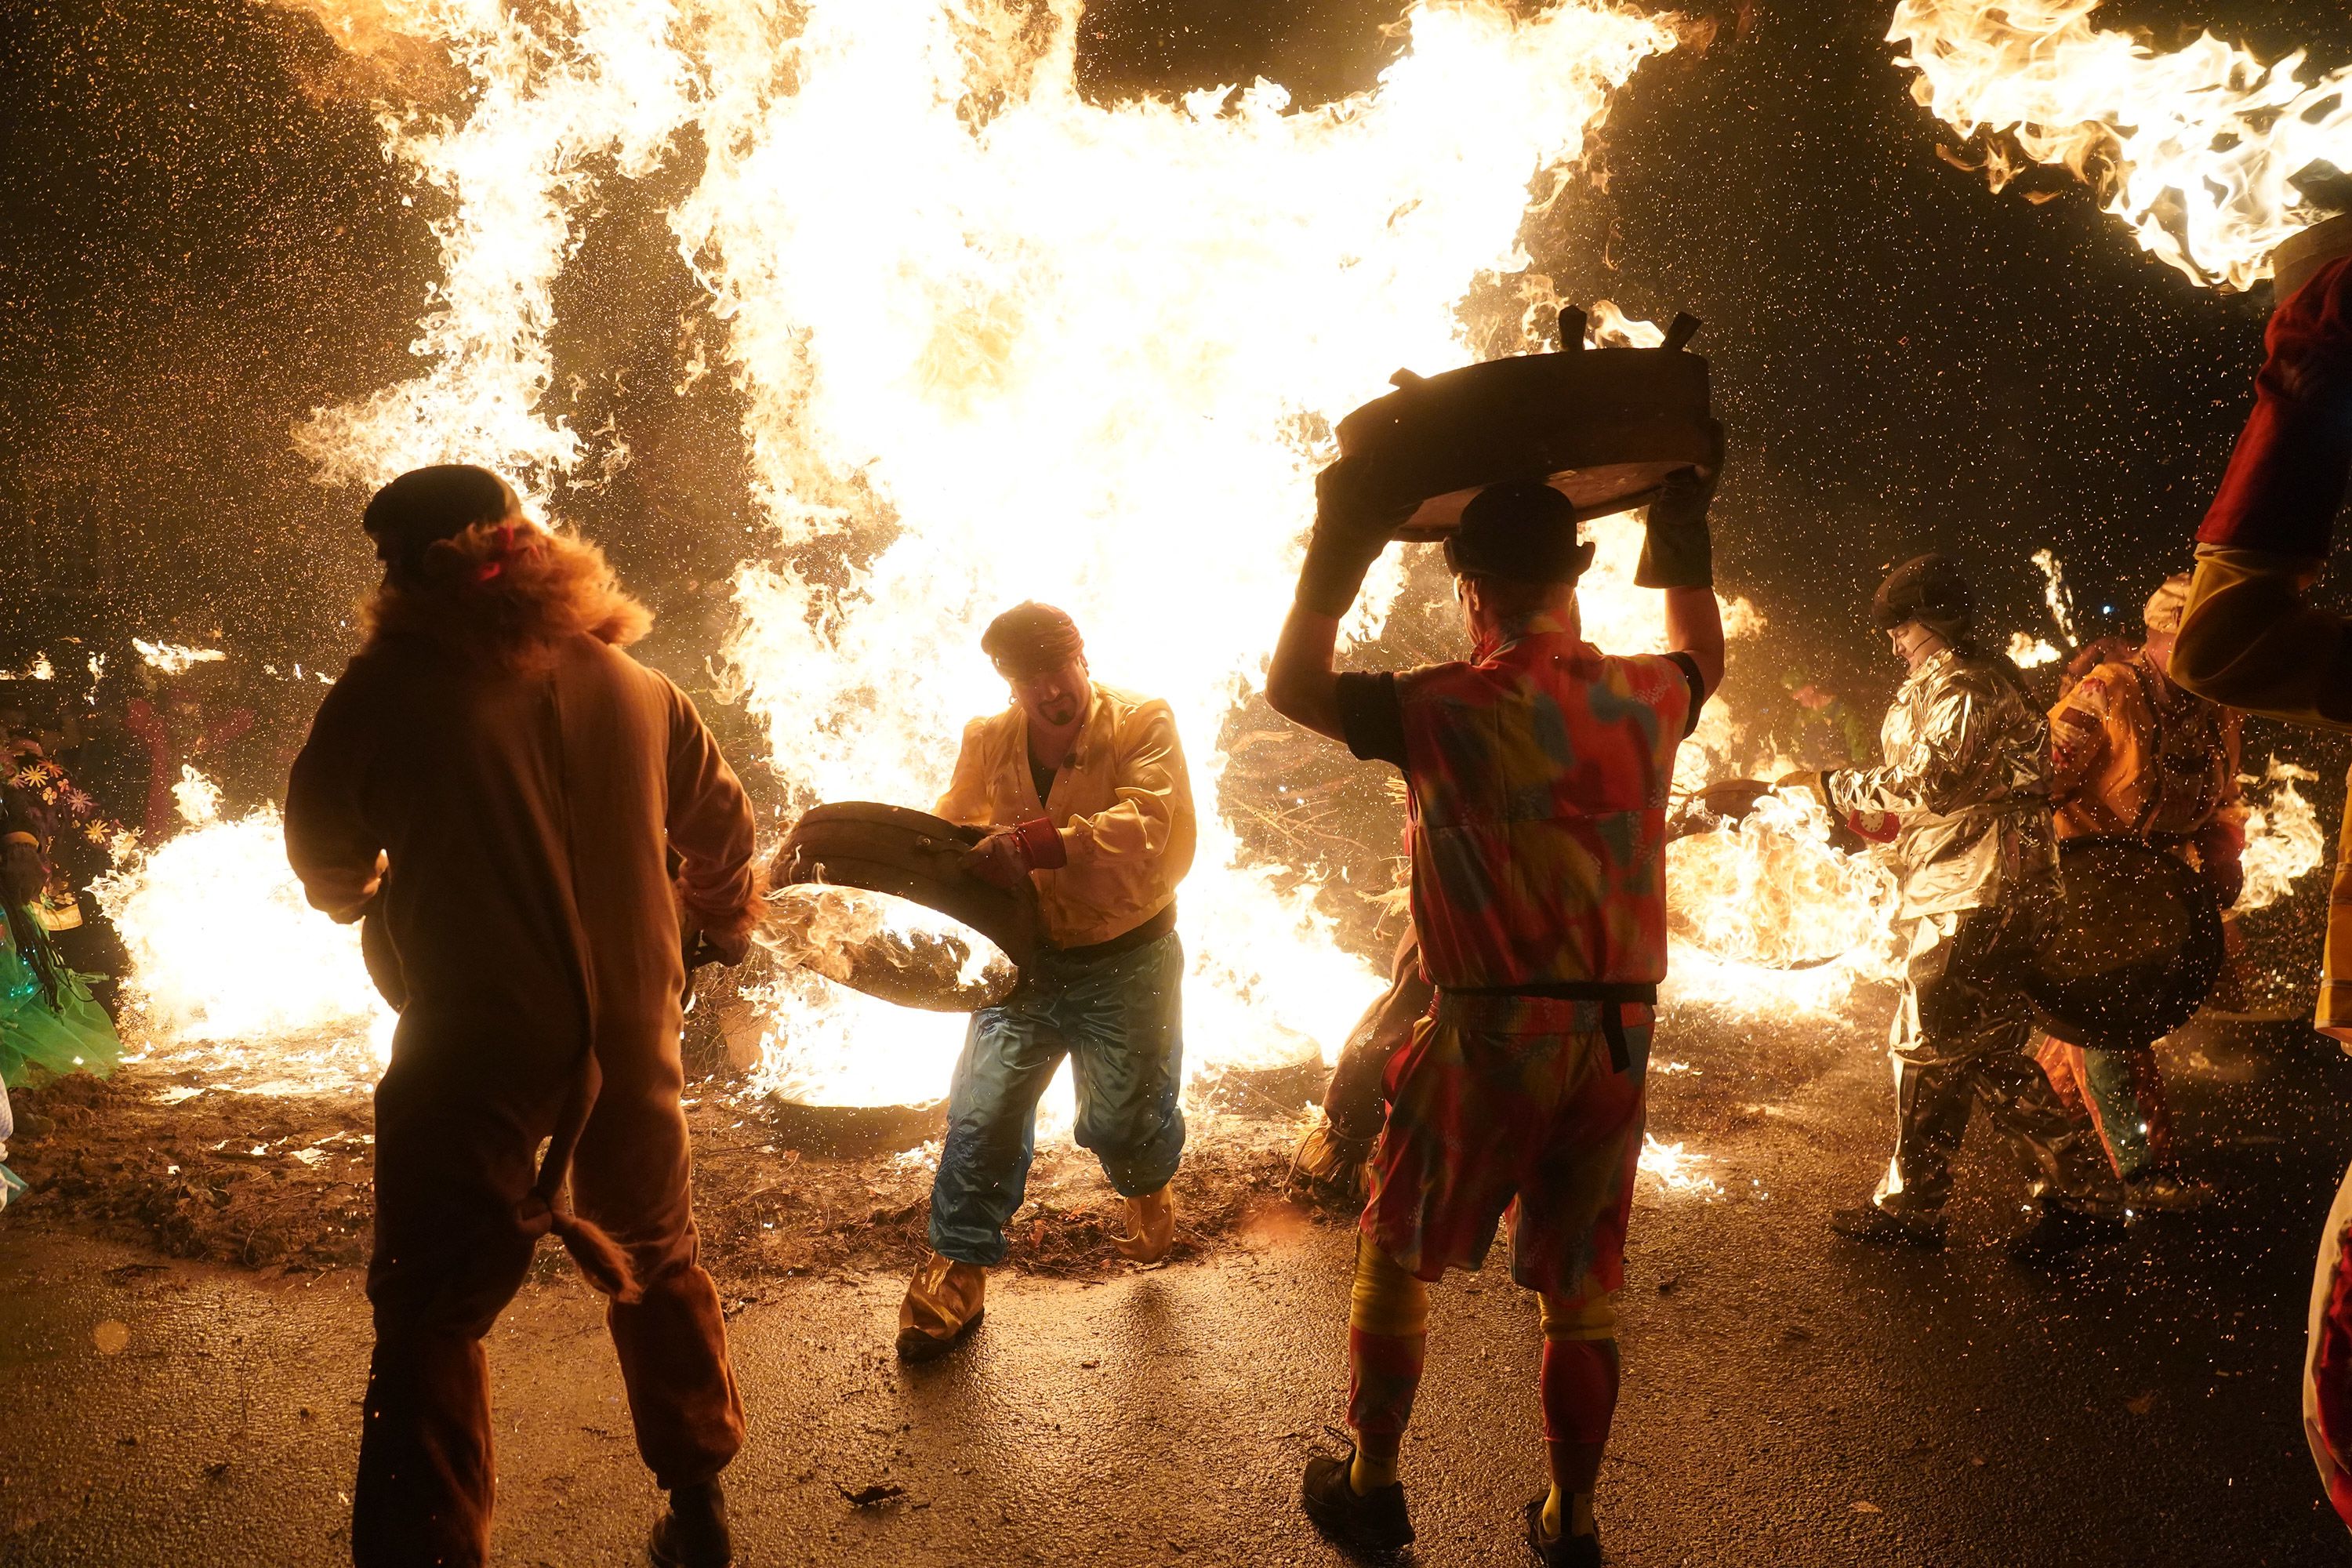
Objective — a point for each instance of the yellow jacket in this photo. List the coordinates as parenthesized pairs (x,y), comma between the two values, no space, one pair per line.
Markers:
(2253,638)
(1122,802)
(2133,754)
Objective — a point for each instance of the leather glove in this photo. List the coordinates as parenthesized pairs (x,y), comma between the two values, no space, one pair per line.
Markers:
(1677,552)
(2288,474)
(1354,518)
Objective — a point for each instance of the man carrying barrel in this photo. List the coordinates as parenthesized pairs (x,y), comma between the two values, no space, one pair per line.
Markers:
(1084,790)
(1538,774)
(2133,755)
(1963,794)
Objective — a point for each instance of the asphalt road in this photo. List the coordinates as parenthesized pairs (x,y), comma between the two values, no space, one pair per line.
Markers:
(1791,1398)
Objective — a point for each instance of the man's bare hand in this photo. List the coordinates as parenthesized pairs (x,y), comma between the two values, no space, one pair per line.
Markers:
(997,860)
(708,947)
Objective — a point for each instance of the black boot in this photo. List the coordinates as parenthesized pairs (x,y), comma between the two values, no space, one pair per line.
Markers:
(1561,1551)
(1375,1520)
(693,1533)
(1868,1222)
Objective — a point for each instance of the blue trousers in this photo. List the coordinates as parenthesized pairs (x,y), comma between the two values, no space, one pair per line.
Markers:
(1120,1022)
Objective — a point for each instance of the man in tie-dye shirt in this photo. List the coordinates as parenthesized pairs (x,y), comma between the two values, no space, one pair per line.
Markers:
(1538,774)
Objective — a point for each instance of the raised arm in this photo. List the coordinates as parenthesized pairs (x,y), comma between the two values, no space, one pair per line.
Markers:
(1351,529)
(2251,638)
(1678,555)
(1300,684)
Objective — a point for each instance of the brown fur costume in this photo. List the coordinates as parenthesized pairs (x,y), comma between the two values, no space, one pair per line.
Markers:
(500,791)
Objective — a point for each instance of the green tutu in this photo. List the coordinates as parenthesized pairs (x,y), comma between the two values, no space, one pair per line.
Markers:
(37,1041)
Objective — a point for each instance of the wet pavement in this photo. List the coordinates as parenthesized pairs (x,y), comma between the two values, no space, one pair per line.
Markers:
(1790,1397)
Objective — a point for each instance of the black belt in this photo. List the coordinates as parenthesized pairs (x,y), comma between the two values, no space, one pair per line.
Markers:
(1622,994)
(1127,941)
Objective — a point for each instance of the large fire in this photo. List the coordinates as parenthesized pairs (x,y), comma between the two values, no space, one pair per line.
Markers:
(995,341)
(2196,150)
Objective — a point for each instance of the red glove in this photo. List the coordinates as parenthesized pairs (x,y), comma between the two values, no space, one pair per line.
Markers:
(2288,472)
(1006,856)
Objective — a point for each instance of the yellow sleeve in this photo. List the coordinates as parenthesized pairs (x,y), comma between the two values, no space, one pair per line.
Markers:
(1153,797)
(2251,638)
(2079,735)
(966,802)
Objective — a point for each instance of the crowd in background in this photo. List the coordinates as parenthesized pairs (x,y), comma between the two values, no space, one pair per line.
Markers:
(89,769)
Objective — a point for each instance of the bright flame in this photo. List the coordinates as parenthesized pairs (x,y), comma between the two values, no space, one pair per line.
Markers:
(1767,916)
(234,975)
(1769,889)
(2194,151)
(999,342)
(2284,840)
(2057,595)
(2030,652)
(171,658)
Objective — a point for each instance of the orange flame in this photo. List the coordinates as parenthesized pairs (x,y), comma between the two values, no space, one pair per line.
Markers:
(2196,150)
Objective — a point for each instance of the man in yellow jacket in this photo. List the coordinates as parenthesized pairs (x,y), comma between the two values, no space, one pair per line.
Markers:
(1086,792)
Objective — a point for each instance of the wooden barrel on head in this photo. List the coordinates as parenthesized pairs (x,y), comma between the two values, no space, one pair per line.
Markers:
(1603,426)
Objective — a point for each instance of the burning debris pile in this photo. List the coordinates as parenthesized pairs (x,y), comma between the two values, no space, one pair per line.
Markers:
(235,979)
(1077,325)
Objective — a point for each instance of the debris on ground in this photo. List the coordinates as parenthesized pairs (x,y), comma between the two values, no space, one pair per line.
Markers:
(283,1182)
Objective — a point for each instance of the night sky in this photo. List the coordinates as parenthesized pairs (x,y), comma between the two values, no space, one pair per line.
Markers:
(200,241)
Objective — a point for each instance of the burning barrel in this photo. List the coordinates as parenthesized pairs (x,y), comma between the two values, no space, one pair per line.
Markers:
(853,880)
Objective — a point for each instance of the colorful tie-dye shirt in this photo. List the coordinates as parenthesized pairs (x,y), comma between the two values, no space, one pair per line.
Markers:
(1539,779)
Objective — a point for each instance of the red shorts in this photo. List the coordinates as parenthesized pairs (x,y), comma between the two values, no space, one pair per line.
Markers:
(1512,1104)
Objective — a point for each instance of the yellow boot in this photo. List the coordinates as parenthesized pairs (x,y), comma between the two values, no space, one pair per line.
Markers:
(1150,1227)
(945,1301)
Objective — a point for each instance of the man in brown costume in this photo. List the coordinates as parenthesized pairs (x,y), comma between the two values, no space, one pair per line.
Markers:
(501,793)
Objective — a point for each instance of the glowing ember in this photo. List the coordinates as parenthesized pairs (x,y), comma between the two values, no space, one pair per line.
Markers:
(234,976)
(1676,1170)
(2196,150)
